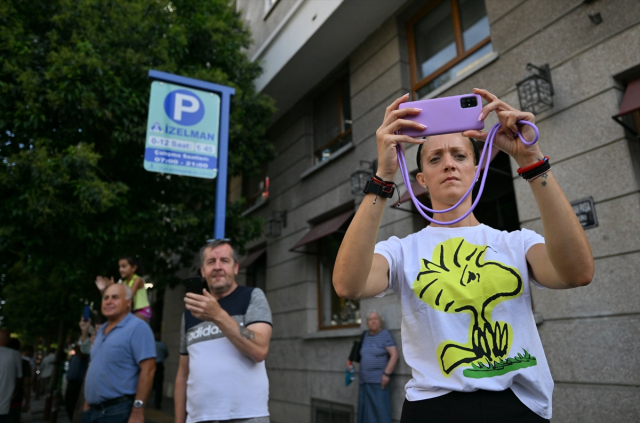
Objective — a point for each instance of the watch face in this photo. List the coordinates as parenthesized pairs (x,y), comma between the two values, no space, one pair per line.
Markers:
(138,404)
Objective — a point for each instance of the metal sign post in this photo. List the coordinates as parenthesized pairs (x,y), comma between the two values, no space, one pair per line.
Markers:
(188,119)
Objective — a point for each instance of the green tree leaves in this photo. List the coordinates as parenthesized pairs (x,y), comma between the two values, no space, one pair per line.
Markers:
(73,105)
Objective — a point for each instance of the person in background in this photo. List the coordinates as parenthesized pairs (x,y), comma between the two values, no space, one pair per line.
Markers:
(10,374)
(78,364)
(46,369)
(162,352)
(21,389)
(127,266)
(378,358)
(122,363)
(86,338)
(27,356)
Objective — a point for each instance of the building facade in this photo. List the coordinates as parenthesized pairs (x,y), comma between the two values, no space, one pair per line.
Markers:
(333,66)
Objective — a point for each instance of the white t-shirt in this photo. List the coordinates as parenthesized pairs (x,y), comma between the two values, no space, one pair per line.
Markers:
(223,383)
(10,369)
(47,365)
(467,322)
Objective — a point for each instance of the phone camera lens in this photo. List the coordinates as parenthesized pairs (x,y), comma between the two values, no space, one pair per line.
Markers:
(468,102)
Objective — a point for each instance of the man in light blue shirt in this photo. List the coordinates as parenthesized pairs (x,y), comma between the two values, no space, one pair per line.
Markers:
(122,363)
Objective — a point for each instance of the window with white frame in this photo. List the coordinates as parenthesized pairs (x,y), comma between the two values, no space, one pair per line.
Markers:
(333,311)
(332,119)
(255,188)
(257,272)
(268,5)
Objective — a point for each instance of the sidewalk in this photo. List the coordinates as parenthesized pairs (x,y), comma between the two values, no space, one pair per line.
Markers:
(151,415)
(165,415)
(36,413)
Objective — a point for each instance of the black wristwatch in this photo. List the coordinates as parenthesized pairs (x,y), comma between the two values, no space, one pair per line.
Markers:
(375,187)
(386,374)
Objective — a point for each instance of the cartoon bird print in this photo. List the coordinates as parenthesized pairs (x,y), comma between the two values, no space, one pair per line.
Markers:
(458,279)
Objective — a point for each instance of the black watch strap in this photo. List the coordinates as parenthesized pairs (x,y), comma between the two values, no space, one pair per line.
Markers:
(383,191)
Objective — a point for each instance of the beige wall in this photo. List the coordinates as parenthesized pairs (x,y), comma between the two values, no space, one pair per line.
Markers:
(261,24)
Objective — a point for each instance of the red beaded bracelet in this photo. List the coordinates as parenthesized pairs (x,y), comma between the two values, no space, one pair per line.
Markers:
(533,166)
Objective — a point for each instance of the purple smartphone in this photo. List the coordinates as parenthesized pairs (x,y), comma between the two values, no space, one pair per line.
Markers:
(445,115)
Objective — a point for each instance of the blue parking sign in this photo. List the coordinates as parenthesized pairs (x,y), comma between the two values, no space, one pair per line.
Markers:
(182,131)
(188,133)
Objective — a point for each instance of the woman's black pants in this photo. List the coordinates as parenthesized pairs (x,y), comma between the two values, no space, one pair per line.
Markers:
(466,407)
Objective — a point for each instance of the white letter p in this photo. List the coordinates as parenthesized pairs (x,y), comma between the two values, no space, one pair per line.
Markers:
(179,105)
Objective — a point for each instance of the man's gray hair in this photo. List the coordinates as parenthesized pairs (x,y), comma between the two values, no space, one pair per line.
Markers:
(376,313)
(128,293)
(215,244)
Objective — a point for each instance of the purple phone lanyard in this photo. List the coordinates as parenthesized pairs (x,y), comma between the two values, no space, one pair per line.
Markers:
(487,145)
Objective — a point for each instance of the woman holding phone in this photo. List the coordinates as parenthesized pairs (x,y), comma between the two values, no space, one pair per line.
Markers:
(468,330)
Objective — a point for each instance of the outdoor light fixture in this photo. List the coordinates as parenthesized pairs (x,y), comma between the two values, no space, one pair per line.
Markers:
(536,90)
(360,176)
(276,223)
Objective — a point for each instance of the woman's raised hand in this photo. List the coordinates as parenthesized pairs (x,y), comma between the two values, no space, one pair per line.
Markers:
(388,139)
(506,138)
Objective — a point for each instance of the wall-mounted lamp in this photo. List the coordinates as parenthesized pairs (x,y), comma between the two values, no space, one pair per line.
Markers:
(360,176)
(535,92)
(276,223)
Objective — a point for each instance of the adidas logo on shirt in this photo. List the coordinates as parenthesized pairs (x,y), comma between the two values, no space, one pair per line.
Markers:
(209,330)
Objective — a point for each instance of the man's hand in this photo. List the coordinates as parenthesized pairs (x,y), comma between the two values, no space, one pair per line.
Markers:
(204,307)
(137,416)
(385,381)
(85,407)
